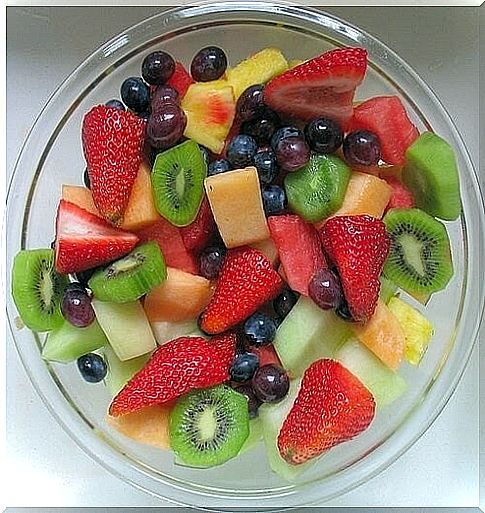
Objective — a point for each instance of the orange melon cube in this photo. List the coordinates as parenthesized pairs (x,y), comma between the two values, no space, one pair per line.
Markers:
(140,210)
(80,196)
(383,335)
(237,205)
(149,425)
(269,250)
(181,297)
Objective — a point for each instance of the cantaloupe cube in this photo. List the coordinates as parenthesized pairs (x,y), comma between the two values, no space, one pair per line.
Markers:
(237,205)
(80,196)
(149,425)
(269,249)
(140,210)
(383,335)
(366,194)
(181,297)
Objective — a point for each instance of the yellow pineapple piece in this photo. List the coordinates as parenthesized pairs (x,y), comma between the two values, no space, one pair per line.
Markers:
(257,69)
(237,205)
(210,109)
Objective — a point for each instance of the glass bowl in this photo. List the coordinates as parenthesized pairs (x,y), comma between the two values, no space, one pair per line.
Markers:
(52,155)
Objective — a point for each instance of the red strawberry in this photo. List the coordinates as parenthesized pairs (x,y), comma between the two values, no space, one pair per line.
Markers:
(247,280)
(180,80)
(332,406)
(113,147)
(198,233)
(175,368)
(386,117)
(358,245)
(401,197)
(84,241)
(171,244)
(323,86)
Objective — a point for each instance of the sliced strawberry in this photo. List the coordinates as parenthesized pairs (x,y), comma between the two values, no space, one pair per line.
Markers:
(401,197)
(387,118)
(323,86)
(180,80)
(299,248)
(175,368)
(84,240)
(247,280)
(170,240)
(198,233)
(113,147)
(358,245)
(332,407)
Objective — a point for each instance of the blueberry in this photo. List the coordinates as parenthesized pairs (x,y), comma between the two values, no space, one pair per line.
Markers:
(135,94)
(218,166)
(87,181)
(262,127)
(208,64)
(243,367)
(274,200)
(283,133)
(241,150)
(115,104)
(324,135)
(265,162)
(211,260)
(157,68)
(259,329)
(92,367)
(283,303)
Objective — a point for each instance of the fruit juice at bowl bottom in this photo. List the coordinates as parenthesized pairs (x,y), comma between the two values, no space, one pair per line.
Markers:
(247,477)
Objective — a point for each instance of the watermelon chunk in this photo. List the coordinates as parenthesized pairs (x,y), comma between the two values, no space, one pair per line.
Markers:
(180,80)
(171,244)
(198,233)
(387,118)
(401,196)
(267,355)
(299,249)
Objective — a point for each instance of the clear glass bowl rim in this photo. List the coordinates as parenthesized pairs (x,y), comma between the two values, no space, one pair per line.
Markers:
(445,383)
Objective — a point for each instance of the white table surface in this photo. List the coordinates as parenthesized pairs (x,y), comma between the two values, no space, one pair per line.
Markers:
(44,466)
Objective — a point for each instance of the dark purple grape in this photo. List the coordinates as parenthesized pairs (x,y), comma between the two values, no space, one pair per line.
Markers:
(262,126)
(284,302)
(241,150)
(283,133)
(270,383)
(243,367)
(253,402)
(92,367)
(84,276)
(115,104)
(208,64)
(274,200)
(87,181)
(166,126)
(265,163)
(157,68)
(210,261)
(163,94)
(135,94)
(362,148)
(259,329)
(76,306)
(324,135)
(218,166)
(292,153)
(325,289)
(250,102)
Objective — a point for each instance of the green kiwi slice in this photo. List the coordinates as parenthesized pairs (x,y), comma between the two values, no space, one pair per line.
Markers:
(432,176)
(178,182)
(419,258)
(208,427)
(318,189)
(130,277)
(37,289)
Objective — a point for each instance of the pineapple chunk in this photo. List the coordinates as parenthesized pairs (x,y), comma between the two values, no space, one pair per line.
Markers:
(237,205)
(417,329)
(258,69)
(210,109)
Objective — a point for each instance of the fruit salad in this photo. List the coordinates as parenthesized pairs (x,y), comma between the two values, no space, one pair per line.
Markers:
(249,258)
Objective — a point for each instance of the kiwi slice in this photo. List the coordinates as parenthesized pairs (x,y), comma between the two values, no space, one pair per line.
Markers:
(37,289)
(130,277)
(318,189)
(178,182)
(208,427)
(432,176)
(419,258)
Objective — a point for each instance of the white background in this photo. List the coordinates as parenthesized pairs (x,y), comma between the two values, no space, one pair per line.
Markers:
(44,466)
